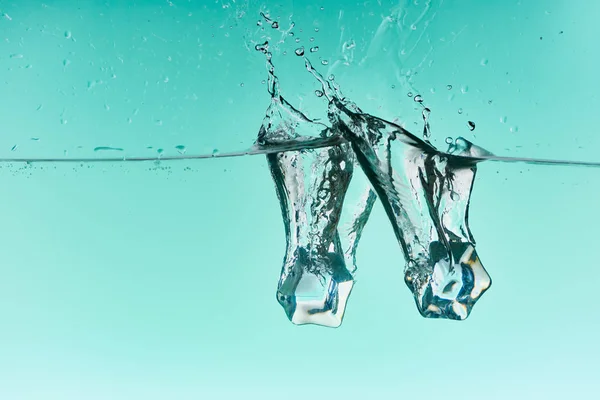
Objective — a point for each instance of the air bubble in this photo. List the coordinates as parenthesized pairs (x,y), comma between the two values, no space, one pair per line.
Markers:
(460,110)
(319,93)
(324,62)
(331,77)
(471,125)
(418,98)
(454,196)
(409,94)
(314,49)
(449,140)
(449,87)
(312,39)
(300,51)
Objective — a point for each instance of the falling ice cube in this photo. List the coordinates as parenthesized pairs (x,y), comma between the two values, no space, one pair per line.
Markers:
(425,194)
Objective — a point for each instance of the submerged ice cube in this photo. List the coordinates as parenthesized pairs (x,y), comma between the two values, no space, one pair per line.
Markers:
(425,194)
(321,234)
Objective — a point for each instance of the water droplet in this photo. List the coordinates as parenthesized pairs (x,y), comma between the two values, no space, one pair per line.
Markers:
(312,39)
(484,62)
(264,48)
(317,30)
(319,93)
(63,121)
(464,89)
(300,51)
(460,110)
(324,62)
(14,147)
(242,84)
(432,90)
(263,81)
(393,86)
(409,94)
(259,23)
(454,196)
(449,140)
(503,120)
(418,98)
(314,49)
(514,129)
(449,87)
(297,40)
(490,102)
(215,152)
(275,25)
(68,34)
(471,125)
(106,107)
(180,148)
(331,77)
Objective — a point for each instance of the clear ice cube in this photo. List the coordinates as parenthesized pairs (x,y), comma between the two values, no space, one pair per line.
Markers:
(425,194)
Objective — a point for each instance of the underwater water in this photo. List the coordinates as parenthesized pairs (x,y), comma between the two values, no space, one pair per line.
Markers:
(169,277)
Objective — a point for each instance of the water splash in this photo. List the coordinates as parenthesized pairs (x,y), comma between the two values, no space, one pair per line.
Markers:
(312,186)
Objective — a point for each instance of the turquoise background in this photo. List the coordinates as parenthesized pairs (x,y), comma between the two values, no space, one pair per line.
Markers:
(146,281)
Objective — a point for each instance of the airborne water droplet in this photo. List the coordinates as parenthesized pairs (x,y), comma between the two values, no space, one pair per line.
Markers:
(300,51)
